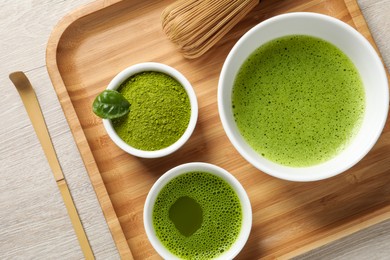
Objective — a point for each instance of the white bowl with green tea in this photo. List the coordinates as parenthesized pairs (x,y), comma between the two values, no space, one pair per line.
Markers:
(149,110)
(197,211)
(303,96)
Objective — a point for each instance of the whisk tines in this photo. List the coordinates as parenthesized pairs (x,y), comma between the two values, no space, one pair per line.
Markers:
(196,25)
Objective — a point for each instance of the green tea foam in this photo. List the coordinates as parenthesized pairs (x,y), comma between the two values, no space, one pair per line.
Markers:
(221,216)
(298,100)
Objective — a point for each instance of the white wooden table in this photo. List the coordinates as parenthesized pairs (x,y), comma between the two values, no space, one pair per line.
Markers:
(33,220)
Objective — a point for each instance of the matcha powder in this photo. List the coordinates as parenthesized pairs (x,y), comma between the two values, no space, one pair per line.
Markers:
(159,113)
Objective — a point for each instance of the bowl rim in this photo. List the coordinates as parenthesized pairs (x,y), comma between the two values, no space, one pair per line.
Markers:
(157,67)
(283,174)
(205,167)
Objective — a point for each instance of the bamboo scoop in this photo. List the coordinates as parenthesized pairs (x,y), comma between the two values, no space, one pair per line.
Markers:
(31,104)
(196,25)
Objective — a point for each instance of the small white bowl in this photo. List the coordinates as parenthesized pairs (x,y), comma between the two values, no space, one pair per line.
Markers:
(204,167)
(153,66)
(355,46)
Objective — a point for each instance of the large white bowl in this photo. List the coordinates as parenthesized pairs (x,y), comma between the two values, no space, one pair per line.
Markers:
(353,44)
(159,67)
(204,167)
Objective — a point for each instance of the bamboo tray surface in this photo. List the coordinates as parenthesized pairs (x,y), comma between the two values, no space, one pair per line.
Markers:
(92,44)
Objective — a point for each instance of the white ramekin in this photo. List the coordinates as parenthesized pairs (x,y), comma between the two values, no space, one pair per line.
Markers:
(153,66)
(204,167)
(355,46)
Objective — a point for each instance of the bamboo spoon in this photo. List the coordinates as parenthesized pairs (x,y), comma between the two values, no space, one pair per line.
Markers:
(31,104)
(196,25)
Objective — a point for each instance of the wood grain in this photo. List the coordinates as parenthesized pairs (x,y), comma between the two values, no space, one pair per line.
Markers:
(94,43)
(34,223)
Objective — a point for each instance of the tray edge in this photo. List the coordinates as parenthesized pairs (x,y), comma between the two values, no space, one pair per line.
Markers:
(89,161)
(379,215)
(343,231)
(75,126)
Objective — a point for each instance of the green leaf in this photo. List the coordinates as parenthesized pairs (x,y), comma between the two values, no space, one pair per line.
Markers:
(110,104)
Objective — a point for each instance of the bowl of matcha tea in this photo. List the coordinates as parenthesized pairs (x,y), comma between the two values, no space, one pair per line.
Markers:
(150,109)
(303,96)
(197,211)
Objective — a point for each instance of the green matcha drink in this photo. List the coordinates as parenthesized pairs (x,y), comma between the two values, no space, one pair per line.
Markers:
(197,215)
(298,100)
(159,113)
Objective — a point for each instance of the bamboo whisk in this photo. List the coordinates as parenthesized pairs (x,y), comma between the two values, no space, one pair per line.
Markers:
(196,25)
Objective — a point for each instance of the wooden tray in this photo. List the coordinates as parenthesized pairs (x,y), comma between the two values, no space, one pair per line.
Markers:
(92,44)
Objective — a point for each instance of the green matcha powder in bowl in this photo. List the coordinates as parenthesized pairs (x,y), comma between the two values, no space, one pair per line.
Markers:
(163,110)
